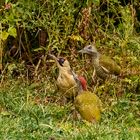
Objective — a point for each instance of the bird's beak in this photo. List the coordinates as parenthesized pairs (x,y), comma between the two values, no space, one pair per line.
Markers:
(82,51)
(54,57)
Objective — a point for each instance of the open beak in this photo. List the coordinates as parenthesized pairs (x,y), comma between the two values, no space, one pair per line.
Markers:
(54,57)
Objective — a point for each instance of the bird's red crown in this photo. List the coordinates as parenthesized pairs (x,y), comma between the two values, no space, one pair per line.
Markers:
(83,82)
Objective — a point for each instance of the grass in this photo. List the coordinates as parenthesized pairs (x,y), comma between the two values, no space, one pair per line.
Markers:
(23,117)
(26,110)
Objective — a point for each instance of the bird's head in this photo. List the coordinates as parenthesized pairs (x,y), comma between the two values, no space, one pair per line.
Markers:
(61,62)
(90,50)
(81,82)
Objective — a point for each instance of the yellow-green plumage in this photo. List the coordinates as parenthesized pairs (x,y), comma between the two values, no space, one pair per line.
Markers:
(89,106)
(109,64)
(103,65)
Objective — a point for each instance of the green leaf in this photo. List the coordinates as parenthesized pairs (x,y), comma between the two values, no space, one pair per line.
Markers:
(4,35)
(76,37)
(6,1)
(5,113)
(38,49)
(12,31)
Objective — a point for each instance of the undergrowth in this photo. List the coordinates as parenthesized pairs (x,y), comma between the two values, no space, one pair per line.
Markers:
(30,108)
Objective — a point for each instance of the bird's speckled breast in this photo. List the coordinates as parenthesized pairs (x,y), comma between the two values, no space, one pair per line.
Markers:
(99,70)
(65,80)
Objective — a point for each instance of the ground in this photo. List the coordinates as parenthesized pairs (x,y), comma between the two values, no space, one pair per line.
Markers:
(26,113)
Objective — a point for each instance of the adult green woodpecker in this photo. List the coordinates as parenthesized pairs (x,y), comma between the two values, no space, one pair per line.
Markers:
(87,103)
(103,65)
(65,80)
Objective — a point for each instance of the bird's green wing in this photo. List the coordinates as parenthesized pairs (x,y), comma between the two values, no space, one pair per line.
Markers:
(110,65)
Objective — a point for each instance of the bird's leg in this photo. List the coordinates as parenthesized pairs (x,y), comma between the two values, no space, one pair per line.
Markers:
(62,100)
(75,114)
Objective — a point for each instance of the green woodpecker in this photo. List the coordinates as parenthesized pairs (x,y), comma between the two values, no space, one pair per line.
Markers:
(87,103)
(103,65)
(65,80)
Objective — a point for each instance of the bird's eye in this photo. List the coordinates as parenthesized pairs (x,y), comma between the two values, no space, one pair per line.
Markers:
(90,47)
(61,61)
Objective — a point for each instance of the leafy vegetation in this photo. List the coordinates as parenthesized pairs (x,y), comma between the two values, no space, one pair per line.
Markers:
(30,108)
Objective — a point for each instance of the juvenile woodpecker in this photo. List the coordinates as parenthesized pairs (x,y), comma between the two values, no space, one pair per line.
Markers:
(87,103)
(65,81)
(103,65)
